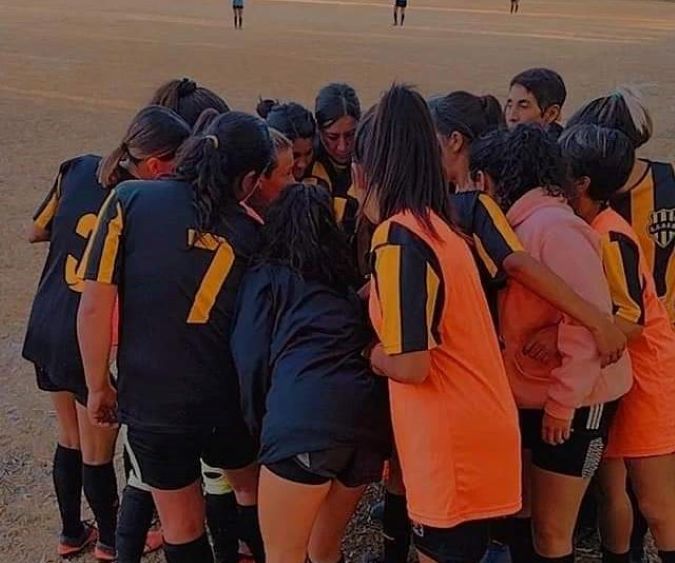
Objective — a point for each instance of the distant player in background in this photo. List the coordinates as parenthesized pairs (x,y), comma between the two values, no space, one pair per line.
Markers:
(238,9)
(399,8)
(515,4)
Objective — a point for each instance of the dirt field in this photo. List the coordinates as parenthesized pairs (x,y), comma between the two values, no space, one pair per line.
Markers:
(73,71)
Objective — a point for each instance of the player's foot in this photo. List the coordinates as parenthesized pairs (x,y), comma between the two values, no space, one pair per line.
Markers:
(153,541)
(69,547)
(103,552)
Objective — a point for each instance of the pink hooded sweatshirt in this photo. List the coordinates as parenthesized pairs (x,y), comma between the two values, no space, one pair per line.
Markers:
(554,235)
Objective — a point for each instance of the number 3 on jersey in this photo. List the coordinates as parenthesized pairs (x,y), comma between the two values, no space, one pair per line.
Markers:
(85,227)
(215,276)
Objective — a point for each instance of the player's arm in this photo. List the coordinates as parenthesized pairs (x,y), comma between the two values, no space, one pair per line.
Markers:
(95,315)
(40,228)
(409,323)
(621,261)
(499,248)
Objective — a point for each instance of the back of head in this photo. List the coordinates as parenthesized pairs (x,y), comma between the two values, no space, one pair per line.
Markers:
(234,146)
(623,109)
(604,156)
(402,160)
(488,154)
(546,85)
(188,99)
(291,119)
(465,113)
(335,101)
(280,143)
(301,232)
(204,120)
(532,159)
(154,131)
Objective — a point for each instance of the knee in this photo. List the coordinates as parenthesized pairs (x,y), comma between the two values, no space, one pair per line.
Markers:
(551,538)
(657,509)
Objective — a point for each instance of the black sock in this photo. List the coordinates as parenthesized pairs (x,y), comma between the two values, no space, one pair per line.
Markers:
(396,526)
(249,532)
(133,523)
(610,557)
(197,551)
(100,488)
(564,559)
(517,534)
(395,17)
(222,517)
(402,18)
(67,475)
(667,556)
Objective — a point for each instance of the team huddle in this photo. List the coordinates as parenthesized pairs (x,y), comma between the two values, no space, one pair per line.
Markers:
(473,304)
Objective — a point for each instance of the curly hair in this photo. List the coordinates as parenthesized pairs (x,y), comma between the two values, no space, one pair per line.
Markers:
(301,233)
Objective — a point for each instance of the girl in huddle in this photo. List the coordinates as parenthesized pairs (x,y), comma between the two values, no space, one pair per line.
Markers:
(298,342)
(428,309)
(66,219)
(566,404)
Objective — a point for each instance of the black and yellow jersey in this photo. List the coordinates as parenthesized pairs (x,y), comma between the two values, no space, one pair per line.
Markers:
(480,218)
(338,179)
(177,291)
(68,213)
(649,207)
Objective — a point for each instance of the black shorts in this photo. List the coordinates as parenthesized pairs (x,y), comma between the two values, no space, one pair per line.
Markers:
(466,543)
(401,3)
(581,455)
(47,383)
(353,467)
(171,460)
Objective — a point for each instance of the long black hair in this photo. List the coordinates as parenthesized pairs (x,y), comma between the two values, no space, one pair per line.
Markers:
(466,113)
(524,159)
(232,146)
(335,101)
(301,232)
(402,158)
(154,131)
(188,99)
(291,119)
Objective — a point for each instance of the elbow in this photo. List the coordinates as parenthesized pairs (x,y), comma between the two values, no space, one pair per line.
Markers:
(37,234)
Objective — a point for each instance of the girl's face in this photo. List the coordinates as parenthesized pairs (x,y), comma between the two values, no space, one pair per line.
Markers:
(338,139)
(269,187)
(303,155)
(152,168)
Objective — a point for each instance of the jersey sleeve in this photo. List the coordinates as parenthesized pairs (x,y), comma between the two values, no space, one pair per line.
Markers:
(494,238)
(102,257)
(44,216)
(410,291)
(621,260)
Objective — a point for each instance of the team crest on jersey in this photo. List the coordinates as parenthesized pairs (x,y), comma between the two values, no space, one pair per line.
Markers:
(662,226)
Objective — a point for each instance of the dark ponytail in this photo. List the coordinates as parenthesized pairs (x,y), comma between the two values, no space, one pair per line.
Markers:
(335,101)
(291,119)
(154,132)
(465,113)
(188,99)
(207,117)
(402,159)
(232,146)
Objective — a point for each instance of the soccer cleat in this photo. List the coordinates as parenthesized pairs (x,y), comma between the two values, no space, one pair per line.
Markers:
(69,547)
(104,552)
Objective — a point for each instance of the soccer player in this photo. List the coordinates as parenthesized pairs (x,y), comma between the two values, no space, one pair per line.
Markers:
(298,342)
(399,10)
(642,438)
(429,311)
(536,95)
(567,402)
(515,5)
(177,249)
(66,220)
(297,124)
(238,11)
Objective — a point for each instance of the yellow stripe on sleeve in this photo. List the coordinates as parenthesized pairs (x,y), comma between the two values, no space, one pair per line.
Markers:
(106,269)
(615,271)
(388,274)
(433,284)
(501,223)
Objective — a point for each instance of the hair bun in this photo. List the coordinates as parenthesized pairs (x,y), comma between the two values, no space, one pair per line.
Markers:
(264,107)
(186,87)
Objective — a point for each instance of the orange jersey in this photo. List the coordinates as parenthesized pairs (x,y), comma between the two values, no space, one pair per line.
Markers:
(456,433)
(645,422)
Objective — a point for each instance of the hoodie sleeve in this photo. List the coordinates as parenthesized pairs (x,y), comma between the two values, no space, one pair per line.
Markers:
(571,255)
(250,342)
